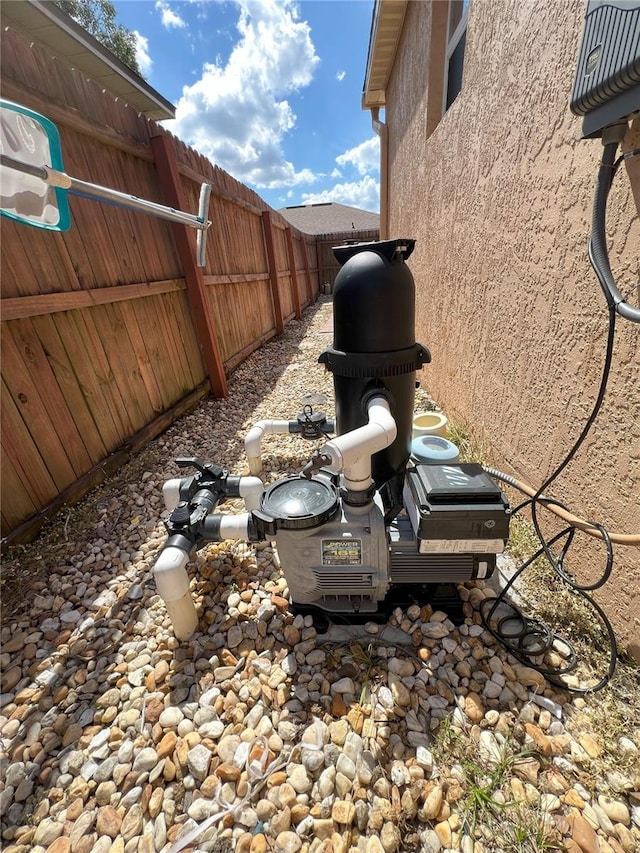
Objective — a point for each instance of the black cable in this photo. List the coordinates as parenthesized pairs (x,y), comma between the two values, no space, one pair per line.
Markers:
(528,639)
(598,254)
(535,501)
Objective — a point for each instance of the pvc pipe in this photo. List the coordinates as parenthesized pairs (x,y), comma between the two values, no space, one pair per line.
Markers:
(253,440)
(171,493)
(351,453)
(172,581)
(251,490)
(234,526)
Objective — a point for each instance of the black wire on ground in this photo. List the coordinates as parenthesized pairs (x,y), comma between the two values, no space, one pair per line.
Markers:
(529,640)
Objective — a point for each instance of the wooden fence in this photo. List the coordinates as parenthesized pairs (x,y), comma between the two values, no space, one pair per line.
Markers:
(110,330)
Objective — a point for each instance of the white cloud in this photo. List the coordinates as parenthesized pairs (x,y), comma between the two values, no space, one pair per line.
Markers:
(142,53)
(365,158)
(169,17)
(237,114)
(340,76)
(364,194)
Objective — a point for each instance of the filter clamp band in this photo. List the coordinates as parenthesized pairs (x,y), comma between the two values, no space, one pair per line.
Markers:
(360,365)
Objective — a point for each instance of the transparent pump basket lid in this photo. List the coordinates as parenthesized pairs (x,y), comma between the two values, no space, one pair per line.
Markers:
(298,503)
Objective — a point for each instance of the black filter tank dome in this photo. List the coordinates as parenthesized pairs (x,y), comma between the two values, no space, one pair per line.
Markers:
(374,344)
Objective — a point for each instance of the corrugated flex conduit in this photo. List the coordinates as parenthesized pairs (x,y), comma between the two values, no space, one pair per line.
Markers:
(588,527)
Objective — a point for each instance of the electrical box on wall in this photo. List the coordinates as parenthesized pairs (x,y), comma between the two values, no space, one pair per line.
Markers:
(607,84)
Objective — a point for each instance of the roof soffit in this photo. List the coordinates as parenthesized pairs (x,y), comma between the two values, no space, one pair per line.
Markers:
(386,27)
(48,25)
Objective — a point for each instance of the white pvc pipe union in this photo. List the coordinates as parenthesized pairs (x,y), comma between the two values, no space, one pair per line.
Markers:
(351,453)
(172,581)
(253,441)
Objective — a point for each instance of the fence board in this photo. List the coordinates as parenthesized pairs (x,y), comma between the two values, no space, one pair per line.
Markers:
(176,318)
(94,387)
(34,359)
(249,310)
(115,333)
(24,454)
(100,355)
(51,303)
(63,368)
(148,321)
(16,270)
(190,356)
(130,313)
(35,413)
(21,504)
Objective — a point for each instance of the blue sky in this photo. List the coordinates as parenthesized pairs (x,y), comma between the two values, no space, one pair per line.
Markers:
(269,90)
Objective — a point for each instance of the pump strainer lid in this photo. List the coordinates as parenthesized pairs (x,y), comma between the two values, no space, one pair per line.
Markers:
(298,503)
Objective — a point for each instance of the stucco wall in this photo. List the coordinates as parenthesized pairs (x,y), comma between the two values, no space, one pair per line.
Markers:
(499,199)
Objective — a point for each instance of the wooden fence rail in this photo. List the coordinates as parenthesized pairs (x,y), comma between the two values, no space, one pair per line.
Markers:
(110,330)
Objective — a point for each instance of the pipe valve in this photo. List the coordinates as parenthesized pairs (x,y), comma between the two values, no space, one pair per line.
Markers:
(318,460)
(313,425)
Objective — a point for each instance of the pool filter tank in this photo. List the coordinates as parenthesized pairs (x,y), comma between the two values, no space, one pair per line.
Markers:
(364,525)
(374,343)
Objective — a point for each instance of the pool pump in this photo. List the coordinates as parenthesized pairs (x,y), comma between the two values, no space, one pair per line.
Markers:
(364,525)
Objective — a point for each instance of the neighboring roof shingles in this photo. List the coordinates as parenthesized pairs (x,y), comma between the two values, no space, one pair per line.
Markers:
(330,218)
(51,27)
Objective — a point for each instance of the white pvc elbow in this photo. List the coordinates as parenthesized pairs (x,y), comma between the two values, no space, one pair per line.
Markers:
(172,581)
(253,441)
(251,491)
(351,453)
(171,493)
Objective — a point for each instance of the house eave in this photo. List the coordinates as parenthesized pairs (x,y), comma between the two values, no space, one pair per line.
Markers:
(48,25)
(386,27)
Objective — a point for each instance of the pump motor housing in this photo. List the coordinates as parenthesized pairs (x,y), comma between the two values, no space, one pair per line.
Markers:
(343,559)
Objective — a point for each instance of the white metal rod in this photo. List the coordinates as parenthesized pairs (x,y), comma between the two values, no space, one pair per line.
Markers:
(131,202)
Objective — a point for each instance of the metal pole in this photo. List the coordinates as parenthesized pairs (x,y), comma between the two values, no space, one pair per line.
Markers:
(54,178)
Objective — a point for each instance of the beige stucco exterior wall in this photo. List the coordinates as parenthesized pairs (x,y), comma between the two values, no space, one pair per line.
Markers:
(499,199)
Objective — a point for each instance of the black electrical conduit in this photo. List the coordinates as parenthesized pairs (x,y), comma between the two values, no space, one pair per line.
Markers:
(598,254)
(529,639)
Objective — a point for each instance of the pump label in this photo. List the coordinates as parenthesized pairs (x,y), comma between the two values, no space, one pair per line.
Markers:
(342,552)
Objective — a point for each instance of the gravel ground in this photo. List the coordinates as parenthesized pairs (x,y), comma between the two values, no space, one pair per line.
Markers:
(259,734)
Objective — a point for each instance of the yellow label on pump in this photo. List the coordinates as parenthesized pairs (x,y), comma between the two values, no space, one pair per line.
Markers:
(341,552)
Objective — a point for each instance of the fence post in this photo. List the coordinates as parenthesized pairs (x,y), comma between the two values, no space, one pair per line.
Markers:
(307,269)
(319,252)
(294,272)
(167,170)
(267,228)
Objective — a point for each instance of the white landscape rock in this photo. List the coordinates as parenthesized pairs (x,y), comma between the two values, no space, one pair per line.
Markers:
(116,737)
